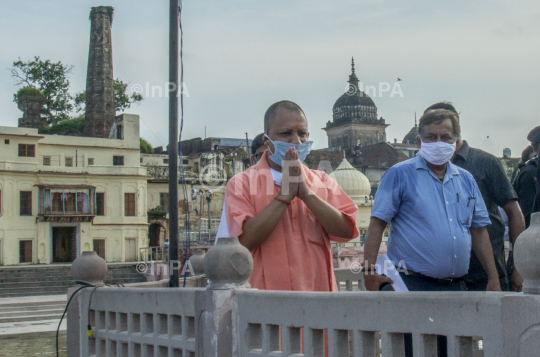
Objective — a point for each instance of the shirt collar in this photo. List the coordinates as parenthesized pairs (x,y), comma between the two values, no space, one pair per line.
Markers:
(263,164)
(464,151)
(451,169)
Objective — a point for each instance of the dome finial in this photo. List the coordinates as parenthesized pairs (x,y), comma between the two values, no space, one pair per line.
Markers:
(353,80)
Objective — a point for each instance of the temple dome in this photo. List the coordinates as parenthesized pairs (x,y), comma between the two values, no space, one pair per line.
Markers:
(352,98)
(354,105)
(411,135)
(355,184)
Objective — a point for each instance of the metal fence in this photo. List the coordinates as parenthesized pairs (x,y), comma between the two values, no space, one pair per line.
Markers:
(214,223)
(204,237)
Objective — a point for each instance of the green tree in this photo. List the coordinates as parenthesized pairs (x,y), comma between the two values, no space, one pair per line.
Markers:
(62,126)
(122,100)
(51,79)
(146,148)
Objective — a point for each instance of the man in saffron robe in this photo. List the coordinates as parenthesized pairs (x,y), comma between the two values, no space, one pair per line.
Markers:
(287,219)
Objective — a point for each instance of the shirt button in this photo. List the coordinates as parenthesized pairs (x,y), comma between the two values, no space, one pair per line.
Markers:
(450,219)
(295,216)
(446,202)
(455,256)
(454,237)
(453,274)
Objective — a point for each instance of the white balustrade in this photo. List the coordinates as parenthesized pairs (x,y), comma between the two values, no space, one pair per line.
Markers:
(230,319)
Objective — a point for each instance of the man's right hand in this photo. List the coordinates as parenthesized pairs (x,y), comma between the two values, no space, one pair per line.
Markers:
(289,188)
(373,281)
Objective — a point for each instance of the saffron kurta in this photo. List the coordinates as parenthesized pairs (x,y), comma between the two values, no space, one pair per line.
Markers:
(297,255)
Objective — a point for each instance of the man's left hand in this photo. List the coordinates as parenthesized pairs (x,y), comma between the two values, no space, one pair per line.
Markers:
(303,188)
(517,281)
(493,285)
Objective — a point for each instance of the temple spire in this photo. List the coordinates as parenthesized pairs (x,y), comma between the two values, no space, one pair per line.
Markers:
(415,125)
(353,80)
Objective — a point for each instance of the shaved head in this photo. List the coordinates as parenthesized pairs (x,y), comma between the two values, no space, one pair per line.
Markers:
(270,114)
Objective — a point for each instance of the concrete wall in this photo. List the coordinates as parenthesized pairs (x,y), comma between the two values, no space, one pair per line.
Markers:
(245,322)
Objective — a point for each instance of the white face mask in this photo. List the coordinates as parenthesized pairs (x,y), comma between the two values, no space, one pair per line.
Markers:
(437,153)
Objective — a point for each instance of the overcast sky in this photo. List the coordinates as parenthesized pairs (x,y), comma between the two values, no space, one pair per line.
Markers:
(240,56)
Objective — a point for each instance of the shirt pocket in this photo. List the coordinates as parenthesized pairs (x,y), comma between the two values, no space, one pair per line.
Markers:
(466,211)
(312,229)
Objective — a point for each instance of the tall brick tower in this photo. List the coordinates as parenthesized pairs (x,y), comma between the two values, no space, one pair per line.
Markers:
(99,78)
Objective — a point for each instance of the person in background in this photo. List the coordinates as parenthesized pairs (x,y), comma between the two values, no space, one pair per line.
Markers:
(525,183)
(497,192)
(526,155)
(257,150)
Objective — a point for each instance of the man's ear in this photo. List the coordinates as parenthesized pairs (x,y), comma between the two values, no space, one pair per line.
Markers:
(418,140)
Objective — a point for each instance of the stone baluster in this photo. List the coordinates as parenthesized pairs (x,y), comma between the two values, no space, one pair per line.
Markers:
(527,256)
(520,316)
(228,266)
(90,268)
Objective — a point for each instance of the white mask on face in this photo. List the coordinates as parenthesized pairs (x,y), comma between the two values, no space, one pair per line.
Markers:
(437,153)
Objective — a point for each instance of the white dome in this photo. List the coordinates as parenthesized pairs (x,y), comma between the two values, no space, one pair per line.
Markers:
(353,182)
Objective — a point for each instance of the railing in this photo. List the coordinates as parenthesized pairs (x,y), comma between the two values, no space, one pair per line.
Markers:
(202,237)
(228,319)
(161,253)
(141,322)
(154,254)
(214,223)
(348,280)
(165,322)
(261,315)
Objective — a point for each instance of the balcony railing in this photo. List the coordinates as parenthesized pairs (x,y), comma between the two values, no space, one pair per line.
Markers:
(60,202)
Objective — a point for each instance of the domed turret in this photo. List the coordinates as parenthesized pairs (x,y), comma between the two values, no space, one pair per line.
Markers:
(355,184)
(410,138)
(354,119)
(354,104)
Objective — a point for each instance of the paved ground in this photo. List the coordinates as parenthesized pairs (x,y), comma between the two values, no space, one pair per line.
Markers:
(33,344)
(31,314)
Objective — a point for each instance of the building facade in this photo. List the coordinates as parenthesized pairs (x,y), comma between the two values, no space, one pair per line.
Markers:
(206,174)
(62,195)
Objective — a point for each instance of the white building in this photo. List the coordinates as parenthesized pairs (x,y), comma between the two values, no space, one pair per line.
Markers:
(61,195)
